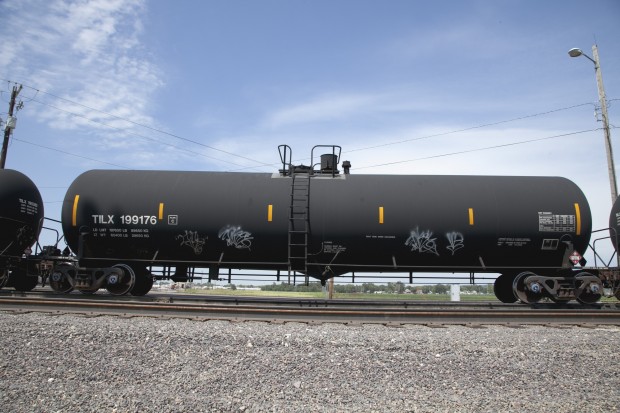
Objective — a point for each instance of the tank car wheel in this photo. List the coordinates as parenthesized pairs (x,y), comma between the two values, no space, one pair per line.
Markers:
(21,281)
(144,282)
(527,293)
(4,277)
(121,285)
(588,288)
(59,282)
(502,288)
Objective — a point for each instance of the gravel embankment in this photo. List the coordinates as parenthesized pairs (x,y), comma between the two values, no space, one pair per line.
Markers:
(108,364)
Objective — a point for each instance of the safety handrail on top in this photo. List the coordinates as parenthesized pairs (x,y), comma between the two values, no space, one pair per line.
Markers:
(285,150)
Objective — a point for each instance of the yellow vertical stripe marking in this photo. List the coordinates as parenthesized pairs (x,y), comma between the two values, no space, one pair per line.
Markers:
(161,211)
(74,215)
(471,216)
(380,215)
(270,212)
(577,219)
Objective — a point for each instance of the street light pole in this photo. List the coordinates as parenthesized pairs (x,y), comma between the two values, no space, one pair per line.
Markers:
(603,100)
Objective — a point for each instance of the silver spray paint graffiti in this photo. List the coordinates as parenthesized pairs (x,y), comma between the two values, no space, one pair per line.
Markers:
(192,240)
(424,242)
(455,241)
(236,237)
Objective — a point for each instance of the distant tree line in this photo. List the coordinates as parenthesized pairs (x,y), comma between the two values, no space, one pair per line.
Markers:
(370,288)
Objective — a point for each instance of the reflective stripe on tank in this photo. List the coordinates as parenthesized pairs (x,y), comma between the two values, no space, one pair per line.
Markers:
(471,216)
(577,219)
(75,206)
(380,215)
(269,212)
(161,211)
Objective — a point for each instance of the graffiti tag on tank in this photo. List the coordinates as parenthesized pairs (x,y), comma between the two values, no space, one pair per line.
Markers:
(236,237)
(192,240)
(424,242)
(455,241)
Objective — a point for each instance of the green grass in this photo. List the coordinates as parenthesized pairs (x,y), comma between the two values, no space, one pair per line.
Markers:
(352,296)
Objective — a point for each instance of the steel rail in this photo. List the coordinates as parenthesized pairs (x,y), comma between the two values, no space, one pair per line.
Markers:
(604,315)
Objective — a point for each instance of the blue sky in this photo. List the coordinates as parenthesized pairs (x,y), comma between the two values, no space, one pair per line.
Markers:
(400,85)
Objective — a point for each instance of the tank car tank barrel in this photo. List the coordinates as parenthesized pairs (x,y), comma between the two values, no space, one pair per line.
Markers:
(354,222)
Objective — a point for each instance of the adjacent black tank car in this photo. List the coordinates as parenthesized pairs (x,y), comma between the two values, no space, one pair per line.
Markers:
(614,224)
(21,220)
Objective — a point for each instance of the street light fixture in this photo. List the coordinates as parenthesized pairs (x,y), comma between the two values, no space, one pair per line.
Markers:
(575,52)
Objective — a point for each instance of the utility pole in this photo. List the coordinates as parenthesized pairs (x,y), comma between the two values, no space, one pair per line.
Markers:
(10,125)
(606,131)
(603,100)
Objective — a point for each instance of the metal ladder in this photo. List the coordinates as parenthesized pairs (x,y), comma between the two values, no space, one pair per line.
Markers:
(299,222)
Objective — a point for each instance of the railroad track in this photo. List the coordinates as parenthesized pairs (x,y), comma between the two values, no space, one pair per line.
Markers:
(312,310)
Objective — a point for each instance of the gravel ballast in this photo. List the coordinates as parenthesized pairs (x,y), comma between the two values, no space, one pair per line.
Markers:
(72,363)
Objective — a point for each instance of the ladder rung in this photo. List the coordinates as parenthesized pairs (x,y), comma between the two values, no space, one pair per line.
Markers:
(299,212)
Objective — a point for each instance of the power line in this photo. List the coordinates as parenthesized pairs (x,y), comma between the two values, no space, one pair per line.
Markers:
(71,154)
(478,149)
(132,133)
(253,160)
(271,165)
(140,125)
(470,128)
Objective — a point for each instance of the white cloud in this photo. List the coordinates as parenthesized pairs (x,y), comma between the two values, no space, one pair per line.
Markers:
(86,51)
(327,107)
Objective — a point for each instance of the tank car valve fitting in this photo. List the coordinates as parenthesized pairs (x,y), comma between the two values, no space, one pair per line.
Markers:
(346,165)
